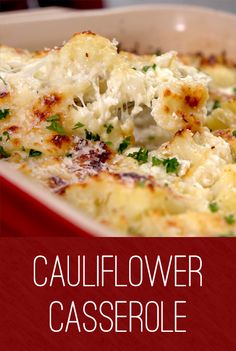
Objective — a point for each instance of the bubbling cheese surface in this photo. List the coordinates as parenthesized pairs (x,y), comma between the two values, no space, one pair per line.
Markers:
(123,137)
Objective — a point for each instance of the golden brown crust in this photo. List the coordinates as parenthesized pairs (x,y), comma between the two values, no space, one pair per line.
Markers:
(71,117)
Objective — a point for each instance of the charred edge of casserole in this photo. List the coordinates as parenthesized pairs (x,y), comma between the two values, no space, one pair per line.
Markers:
(58,140)
(226,134)
(211,59)
(94,150)
(13,129)
(4,94)
(43,107)
(57,184)
(136,178)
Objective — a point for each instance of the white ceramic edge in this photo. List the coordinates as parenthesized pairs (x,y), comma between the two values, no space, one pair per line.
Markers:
(185,28)
(7,18)
(54,203)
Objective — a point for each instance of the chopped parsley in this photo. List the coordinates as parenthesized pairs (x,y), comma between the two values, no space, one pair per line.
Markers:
(6,134)
(4,113)
(234,90)
(55,125)
(4,153)
(146,68)
(108,128)
(141,155)
(78,125)
(124,144)
(234,133)
(34,153)
(171,164)
(156,161)
(53,118)
(216,104)
(109,143)
(230,219)
(69,154)
(154,66)
(91,136)
(213,207)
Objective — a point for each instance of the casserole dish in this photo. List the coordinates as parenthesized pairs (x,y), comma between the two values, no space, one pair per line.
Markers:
(176,28)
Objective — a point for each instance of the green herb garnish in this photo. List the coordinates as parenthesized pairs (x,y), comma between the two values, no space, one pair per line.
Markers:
(109,143)
(146,68)
(234,133)
(156,161)
(6,134)
(230,219)
(213,207)
(4,153)
(55,125)
(124,144)
(34,153)
(78,125)
(171,164)
(91,136)
(69,154)
(158,52)
(4,113)
(216,105)
(234,90)
(141,156)
(108,128)
(53,118)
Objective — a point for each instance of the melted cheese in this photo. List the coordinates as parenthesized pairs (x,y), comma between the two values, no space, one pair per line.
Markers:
(156,102)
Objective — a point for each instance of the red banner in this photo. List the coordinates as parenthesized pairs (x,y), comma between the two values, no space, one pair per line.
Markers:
(117,294)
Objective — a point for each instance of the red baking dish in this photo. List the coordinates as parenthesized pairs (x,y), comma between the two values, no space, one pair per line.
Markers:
(27,209)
